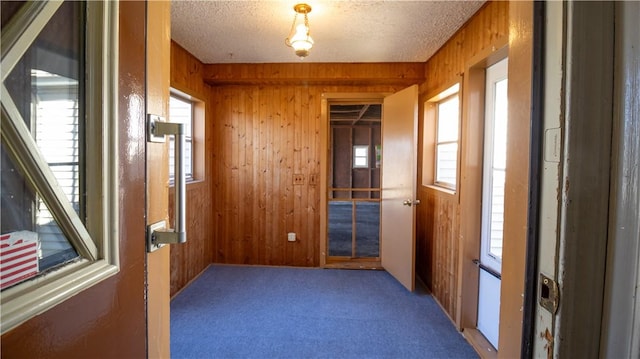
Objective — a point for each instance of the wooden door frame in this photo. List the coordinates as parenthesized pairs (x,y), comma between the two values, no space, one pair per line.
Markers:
(158,41)
(472,138)
(325,152)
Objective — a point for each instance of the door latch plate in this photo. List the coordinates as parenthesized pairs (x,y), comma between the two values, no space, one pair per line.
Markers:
(549,294)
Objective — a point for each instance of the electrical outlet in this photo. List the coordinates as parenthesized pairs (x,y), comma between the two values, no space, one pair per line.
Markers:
(291,236)
(313,179)
(298,179)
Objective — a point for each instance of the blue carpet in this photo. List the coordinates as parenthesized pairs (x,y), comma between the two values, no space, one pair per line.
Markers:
(282,312)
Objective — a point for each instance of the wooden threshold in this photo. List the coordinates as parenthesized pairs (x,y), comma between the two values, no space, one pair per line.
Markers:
(353,264)
(480,343)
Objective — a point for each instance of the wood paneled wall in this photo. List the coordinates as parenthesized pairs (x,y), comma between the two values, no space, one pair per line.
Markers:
(264,134)
(191,258)
(486,29)
(317,74)
(439,220)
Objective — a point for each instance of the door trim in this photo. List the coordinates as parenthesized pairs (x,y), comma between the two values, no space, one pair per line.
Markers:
(471,132)
(325,101)
(535,166)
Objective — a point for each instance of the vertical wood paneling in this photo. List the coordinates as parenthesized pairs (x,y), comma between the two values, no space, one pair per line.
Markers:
(273,137)
(438,226)
(440,220)
(488,27)
(189,259)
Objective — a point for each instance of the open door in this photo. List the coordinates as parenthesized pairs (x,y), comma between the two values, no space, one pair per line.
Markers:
(399,159)
(107,318)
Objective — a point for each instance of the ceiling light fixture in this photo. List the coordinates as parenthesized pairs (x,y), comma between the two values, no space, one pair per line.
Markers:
(299,38)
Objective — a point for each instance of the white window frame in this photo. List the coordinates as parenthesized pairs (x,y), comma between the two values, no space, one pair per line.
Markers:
(96,241)
(444,96)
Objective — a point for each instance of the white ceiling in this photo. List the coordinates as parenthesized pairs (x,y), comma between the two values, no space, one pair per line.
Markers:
(343,31)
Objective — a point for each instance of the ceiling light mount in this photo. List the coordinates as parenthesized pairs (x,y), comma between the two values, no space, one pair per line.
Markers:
(302,8)
(299,36)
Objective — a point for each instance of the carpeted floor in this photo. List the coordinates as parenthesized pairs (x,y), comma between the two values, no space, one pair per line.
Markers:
(284,312)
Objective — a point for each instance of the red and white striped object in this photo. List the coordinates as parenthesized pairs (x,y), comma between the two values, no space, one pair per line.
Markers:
(18,257)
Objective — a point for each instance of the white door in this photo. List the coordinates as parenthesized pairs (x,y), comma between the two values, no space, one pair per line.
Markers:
(399,159)
(494,165)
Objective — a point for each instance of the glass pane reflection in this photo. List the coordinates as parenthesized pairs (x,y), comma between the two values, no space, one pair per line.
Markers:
(45,86)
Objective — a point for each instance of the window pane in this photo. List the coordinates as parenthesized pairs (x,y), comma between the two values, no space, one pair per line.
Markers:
(360,156)
(57,129)
(497,213)
(181,111)
(446,163)
(31,240)
(499,165)
(46,87)
(448,120)
(500,125)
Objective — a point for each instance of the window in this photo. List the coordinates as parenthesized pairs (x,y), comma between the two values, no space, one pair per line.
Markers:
(59,176)
(181,110)
(494,164)
(189,110)
(447,124)
(360,156)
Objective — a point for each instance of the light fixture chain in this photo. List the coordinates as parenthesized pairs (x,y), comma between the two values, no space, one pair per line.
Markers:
(306,23)
(291,31)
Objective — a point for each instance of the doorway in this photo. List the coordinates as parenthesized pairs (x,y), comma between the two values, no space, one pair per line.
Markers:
(393,200)
(353,198)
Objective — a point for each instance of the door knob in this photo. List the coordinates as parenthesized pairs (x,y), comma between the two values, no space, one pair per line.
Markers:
(410,202)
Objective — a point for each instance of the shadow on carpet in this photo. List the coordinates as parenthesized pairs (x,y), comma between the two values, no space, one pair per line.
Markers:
(284,312)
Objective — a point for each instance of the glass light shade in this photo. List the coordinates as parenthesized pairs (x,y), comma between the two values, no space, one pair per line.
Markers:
(301,41)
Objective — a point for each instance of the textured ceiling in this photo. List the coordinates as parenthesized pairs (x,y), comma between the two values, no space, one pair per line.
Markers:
(343,31)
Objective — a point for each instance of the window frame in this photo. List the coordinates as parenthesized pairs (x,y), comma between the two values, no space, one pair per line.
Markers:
(188,138)
(95,240)
(434,103)
(197,138)
(494,74)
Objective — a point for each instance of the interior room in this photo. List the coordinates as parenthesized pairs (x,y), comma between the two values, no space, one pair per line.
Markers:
(476,159)
(291,114)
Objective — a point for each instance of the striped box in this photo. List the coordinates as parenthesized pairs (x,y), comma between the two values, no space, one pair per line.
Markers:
(18,257)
